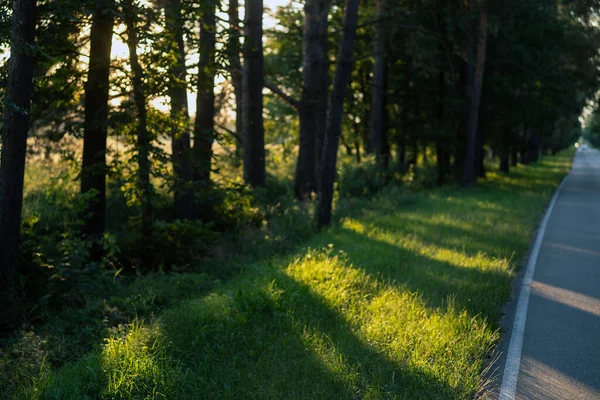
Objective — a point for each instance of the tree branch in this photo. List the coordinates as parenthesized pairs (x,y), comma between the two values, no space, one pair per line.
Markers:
(287,98)
(232,133)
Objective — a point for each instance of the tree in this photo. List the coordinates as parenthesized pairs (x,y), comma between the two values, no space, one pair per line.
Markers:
(253,82)
(235,66)
(143,138)
(379,140)
(305,181)
(334,122)
(205,108)
(180,136)
(312,106)
(93,174)
(470,169)
(14,143)
(322,67)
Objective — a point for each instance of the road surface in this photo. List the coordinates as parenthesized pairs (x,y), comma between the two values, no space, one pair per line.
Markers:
(560,331)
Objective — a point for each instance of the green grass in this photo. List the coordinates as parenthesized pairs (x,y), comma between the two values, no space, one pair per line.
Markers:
(400,299)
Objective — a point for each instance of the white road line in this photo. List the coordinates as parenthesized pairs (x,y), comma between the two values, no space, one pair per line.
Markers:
(513,360)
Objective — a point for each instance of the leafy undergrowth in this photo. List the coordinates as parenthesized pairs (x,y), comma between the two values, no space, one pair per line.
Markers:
(399,301)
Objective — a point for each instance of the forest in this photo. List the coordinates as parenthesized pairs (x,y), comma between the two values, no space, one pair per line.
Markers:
(175,160)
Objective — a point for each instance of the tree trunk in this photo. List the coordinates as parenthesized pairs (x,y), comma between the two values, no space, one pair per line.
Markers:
(253,82)
(205,107)
(505,150)
(180,136)
(442,163)
(480,154)
(305,182)
(236,71)
(470,170)
(402,133)
(334,122)
(504,158)
(378,86)
(93,174)
(514,148)
(534,145)
(461,119)
(443,159)
(14,144)
(323,80)
(313,110)
(514,154)
(143,138)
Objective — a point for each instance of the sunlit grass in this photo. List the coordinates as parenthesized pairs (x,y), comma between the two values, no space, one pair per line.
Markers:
(400,300)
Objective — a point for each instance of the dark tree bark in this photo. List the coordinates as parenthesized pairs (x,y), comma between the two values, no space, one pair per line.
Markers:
(323,78)
(253,82)
(93,174)
(402,134)
(143,137)
(378,89)
(205,107)
(14,144)
(461,119)
(334,122)
(514,156)
(443,159)
(180,137)
(236,71)
(480,154)
(305,181)
(313,109)
(534,144)
(505,151)
(470,168)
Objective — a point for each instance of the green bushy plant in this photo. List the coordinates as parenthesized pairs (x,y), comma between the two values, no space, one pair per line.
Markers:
(364,179)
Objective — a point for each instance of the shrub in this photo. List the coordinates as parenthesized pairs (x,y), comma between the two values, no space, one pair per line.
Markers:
(364,179)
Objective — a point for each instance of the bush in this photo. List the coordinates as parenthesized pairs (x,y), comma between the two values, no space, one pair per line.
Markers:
(364,179)
(181,244)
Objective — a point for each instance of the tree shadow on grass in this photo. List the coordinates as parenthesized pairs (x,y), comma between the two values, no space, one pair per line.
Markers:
(279,339)
(479,292)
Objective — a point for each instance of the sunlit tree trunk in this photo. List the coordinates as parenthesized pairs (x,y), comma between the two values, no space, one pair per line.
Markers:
(205,107)
(470,168)
(336,107)
(14,143)
(180,135)
(253,82)
(143,138)
(93,174)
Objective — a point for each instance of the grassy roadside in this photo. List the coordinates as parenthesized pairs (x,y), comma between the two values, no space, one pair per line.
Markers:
(398,302)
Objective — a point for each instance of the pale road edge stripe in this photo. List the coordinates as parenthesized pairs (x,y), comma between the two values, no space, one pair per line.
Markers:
(508,389)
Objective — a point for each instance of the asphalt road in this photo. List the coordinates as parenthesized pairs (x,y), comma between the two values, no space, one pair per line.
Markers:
(560,355)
